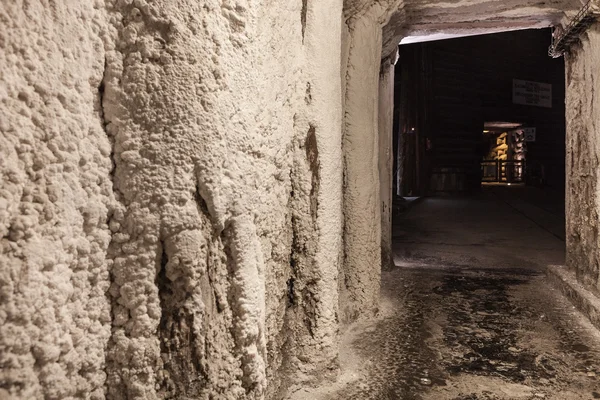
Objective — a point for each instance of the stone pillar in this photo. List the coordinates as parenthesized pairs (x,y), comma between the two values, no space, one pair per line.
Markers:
(582,70)
(386,156)
(362,204)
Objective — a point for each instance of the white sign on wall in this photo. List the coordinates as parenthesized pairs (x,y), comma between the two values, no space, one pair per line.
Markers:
(532,93)
(529,134)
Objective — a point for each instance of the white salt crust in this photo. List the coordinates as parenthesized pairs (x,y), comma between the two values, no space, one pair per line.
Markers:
(189,191)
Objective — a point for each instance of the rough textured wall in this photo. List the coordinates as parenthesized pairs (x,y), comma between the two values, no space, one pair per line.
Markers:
(193,257)
(170,207)
(371,33)
(386,156)
(55,197)
(362,206)
(170,204)
(221,280)
(583,148)
(359,294)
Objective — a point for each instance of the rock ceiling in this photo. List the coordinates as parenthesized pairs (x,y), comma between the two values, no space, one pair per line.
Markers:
(421,18)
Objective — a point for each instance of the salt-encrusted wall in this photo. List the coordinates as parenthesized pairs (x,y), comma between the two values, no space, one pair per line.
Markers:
(386,156)
(362,198)
(171,197)
(171,213)
(216,272)
(56,195)
(582,68)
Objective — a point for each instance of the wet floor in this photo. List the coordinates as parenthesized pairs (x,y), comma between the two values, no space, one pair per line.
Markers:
(466,334)
(468,314)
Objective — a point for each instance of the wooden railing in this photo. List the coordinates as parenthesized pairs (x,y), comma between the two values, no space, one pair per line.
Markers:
(508,171)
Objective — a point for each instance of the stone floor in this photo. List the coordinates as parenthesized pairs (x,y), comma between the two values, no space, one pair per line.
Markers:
(467,314)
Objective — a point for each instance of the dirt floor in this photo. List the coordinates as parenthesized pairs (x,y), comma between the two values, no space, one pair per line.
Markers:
(467,314)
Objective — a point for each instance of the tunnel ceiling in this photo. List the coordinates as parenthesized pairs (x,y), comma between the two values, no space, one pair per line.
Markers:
(426,17)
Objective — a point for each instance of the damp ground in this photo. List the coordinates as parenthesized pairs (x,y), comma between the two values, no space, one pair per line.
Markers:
(468,314)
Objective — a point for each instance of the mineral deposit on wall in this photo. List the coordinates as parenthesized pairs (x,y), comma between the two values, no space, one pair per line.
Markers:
(170,207)
(583,147)
(171,183)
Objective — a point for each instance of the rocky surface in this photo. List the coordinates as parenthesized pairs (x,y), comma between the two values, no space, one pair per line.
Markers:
(172,174)
(56,194)
(583,145)
(170,198)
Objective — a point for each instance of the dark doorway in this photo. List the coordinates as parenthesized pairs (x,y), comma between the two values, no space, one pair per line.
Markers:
(455,97)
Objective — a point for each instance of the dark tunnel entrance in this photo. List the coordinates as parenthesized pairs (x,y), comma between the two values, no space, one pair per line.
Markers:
(496,98)
(482,119)
(479,215)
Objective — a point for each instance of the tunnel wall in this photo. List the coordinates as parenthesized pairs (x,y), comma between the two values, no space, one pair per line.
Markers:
(362,206)
(386,156)
(582,69)
(170,206)
(190,193)
(56,195)
(363,51)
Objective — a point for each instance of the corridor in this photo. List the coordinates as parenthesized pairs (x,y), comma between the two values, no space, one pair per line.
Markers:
(468,314)
(197,199)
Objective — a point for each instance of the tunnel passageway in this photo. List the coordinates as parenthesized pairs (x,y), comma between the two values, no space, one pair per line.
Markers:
(467,312)
(196,199)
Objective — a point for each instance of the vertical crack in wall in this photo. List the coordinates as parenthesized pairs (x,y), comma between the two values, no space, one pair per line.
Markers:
(301,315)
(310,288)
(101,87)
(312,156)
(308,94)
(113,226)
(303,17)
(291,295)
(104,123)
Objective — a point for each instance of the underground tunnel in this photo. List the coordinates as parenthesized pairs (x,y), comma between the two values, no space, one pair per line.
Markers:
(299,199)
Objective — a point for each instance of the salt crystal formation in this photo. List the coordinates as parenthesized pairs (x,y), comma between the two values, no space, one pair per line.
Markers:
(171,184)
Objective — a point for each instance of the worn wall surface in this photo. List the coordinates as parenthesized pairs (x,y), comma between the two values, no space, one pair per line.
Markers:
(386,156)
(582,67)
(171,214)
(362,229)
(55,199)
(170,206)
(225,263)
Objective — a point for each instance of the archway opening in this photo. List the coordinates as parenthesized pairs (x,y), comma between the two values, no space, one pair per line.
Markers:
(471,254)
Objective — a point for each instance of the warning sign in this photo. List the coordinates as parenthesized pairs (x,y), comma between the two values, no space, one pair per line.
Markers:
(532,93)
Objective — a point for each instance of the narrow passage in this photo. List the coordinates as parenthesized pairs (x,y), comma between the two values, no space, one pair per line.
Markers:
(468,313)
